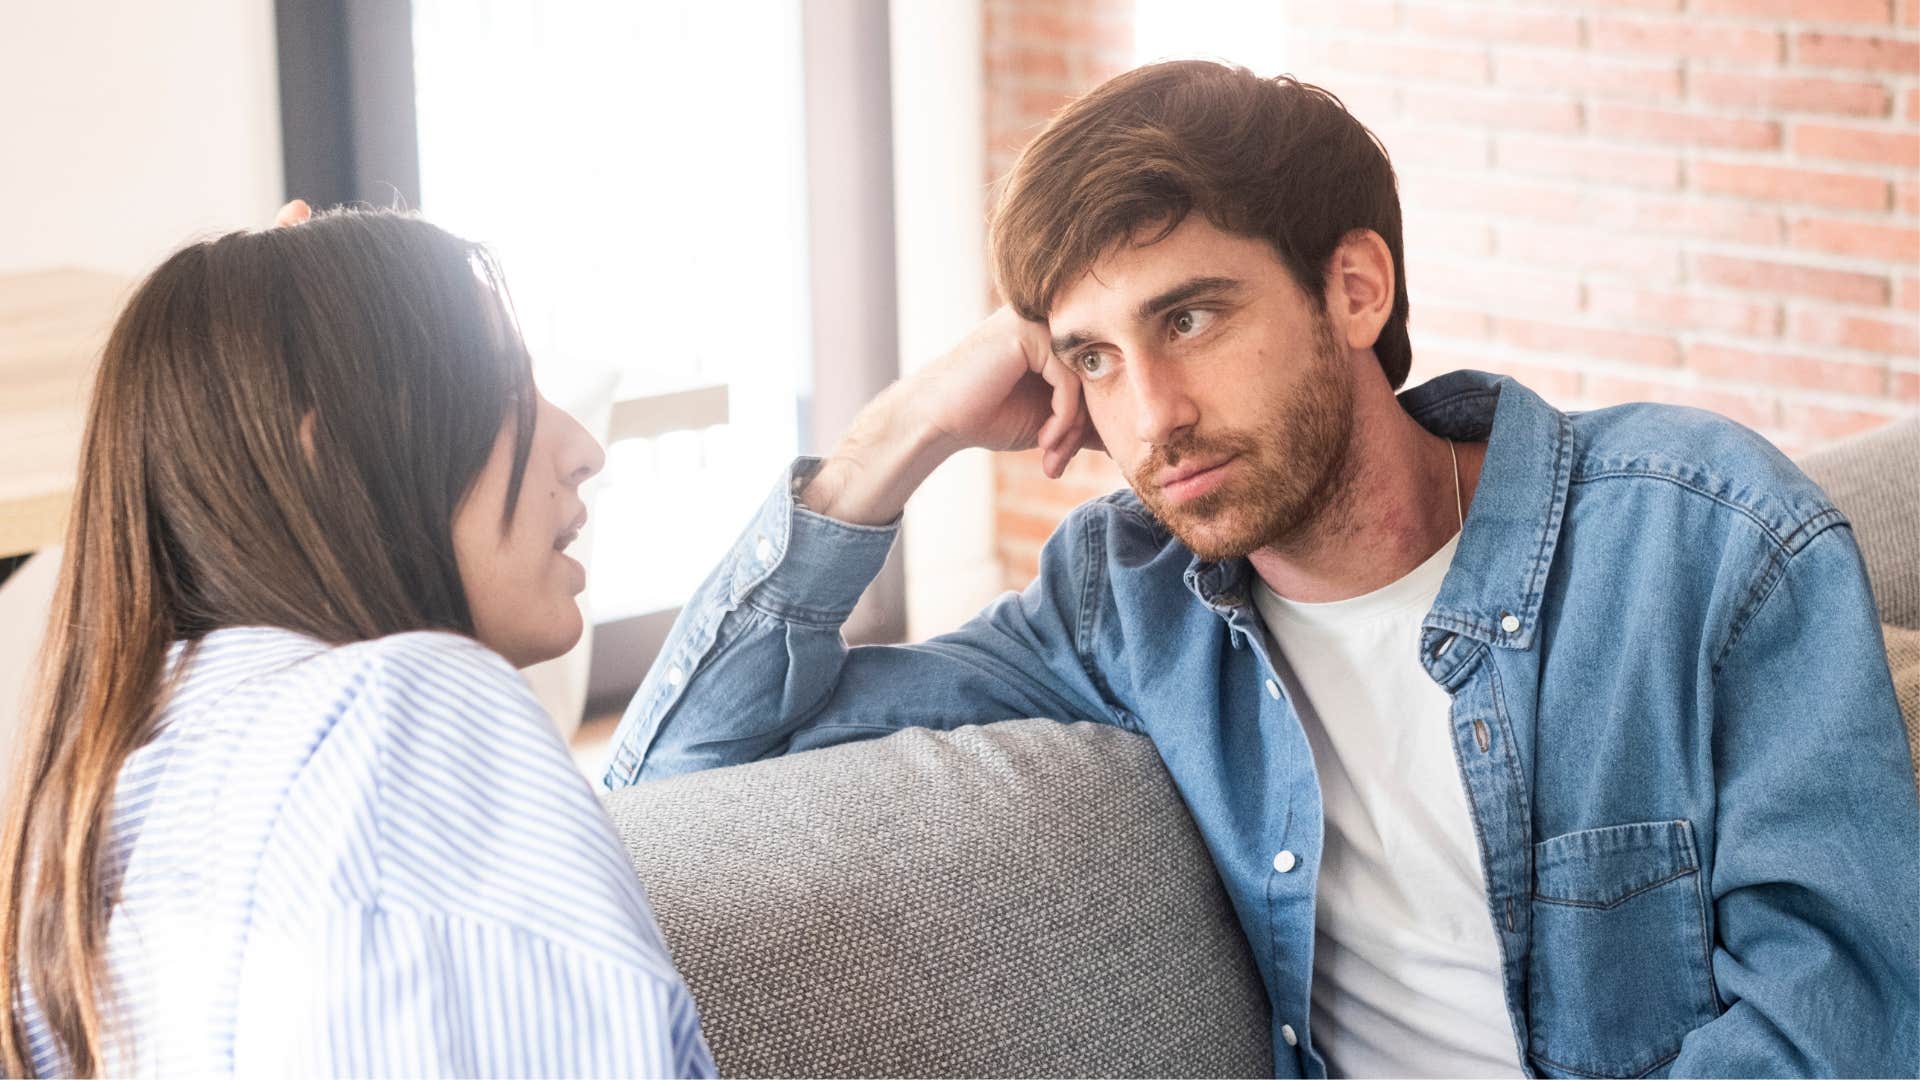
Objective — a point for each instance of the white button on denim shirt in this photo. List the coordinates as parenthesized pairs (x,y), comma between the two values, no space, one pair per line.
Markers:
(1656,635)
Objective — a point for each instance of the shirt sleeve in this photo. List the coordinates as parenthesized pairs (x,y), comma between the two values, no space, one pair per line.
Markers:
(756,665)
(393,992)
(446,896)
(1816,876)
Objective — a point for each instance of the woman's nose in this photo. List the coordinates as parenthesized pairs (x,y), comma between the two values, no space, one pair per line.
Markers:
(580,455)
(586,456)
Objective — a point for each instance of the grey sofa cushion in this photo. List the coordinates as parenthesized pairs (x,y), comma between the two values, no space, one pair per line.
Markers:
(1023,899)
(1875,480)
(1903,659)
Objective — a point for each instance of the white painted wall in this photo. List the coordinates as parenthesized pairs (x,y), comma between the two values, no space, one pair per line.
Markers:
(939,192)
(126,128)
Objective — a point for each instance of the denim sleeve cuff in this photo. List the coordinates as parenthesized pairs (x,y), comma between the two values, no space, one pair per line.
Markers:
(797,563)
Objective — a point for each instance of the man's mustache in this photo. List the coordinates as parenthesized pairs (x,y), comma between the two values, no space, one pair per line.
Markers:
(1169,455)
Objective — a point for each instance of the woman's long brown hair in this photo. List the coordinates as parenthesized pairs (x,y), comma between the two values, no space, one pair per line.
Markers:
(282,426)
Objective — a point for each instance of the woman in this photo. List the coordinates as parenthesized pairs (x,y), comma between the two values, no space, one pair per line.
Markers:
(282,805)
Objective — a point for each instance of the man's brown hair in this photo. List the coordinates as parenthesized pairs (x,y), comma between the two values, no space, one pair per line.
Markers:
(1274,159)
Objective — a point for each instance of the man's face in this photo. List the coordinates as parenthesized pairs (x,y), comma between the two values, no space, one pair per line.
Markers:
(1215,383)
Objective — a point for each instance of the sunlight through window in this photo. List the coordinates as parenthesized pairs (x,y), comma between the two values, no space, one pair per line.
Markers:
(640,171)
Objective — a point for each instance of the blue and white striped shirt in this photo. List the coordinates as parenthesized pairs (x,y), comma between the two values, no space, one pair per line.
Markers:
(374,859)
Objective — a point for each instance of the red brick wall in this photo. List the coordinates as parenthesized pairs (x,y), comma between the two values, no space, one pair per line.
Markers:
(1709,202)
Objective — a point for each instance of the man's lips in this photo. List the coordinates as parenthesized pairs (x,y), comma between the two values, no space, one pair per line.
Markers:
(1193,480)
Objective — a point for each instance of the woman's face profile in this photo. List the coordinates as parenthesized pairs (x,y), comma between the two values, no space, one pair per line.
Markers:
(520,583)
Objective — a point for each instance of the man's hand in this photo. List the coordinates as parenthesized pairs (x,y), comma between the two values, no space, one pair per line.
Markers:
(1000,388)
(293,213)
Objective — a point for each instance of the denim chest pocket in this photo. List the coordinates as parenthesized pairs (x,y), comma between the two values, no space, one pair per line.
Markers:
(1620,967)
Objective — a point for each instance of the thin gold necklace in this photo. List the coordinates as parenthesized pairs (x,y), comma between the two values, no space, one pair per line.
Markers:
(1459,505)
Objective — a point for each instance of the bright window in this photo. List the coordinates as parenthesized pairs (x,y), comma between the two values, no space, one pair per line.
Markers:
(639,169)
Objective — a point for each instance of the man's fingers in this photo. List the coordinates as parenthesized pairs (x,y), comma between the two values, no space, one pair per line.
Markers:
(1054,461)
(293,213)
(1069,429)
(1071,440)
(1035,344)
(1065,403)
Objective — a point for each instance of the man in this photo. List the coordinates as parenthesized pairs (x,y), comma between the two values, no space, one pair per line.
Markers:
(1602,777)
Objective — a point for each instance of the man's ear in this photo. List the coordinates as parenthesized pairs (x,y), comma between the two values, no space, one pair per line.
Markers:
(306,434)
(1360,288)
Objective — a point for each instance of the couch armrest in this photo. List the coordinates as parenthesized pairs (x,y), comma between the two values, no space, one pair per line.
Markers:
(1875,480)
(1026,898)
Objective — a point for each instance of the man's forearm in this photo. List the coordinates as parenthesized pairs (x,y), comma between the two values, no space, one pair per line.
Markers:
(1000,388)
(890,449)
(756,651)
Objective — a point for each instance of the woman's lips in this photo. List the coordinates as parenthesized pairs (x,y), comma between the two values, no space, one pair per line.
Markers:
(576,575)
(572,531)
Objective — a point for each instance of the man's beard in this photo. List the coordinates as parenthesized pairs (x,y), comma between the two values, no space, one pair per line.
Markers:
(1290,472)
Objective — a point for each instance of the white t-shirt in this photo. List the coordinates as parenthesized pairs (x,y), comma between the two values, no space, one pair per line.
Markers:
(1406,970)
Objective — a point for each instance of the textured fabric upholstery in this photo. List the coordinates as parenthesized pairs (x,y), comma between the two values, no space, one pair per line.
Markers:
(1903,656)
(1023,899)
(1875,480)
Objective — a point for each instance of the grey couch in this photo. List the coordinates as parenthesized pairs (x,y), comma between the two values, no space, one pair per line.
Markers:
(1027,898)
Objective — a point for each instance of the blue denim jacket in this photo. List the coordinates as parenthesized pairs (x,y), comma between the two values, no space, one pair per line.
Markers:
(1671,712)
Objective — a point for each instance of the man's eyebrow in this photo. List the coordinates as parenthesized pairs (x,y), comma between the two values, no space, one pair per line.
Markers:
(1173,297)
(1066,343)
(1182,293)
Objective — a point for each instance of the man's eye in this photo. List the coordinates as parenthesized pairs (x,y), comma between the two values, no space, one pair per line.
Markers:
(1091,362)
(1189,321)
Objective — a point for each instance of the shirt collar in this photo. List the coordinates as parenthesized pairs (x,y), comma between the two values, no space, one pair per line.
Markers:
(1497,583)
(1498,577)
(225,658)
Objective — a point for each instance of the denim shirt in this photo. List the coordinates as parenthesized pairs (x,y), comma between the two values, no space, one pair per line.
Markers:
(1672,717)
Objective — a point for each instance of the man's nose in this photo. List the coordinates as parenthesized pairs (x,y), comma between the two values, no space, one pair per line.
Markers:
(1162,406)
